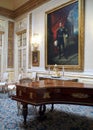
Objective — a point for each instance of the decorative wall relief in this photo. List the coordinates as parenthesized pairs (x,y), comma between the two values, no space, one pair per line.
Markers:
(10,44)
(2,25)
(21,25)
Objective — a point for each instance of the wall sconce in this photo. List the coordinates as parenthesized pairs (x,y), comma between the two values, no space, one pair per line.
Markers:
(35,41)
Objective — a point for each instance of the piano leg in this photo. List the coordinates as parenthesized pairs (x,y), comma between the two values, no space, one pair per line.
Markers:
(42,110)
(52,107)
(25,112)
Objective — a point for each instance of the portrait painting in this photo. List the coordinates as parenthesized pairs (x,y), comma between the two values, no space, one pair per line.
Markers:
(64,41)
(35,58)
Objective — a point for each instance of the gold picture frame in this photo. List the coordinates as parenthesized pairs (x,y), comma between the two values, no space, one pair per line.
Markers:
(71,17)
(35,58)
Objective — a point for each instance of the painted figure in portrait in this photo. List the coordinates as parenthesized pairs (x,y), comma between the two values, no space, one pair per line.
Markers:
(62,36)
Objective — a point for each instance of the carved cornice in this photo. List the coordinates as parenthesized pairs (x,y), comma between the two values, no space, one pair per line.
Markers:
(28,6)
(6,12)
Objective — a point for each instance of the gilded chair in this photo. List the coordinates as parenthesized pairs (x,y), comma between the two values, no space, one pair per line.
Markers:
(4,82)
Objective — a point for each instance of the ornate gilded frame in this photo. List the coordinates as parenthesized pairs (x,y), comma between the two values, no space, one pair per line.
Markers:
(72,16)
(35,58)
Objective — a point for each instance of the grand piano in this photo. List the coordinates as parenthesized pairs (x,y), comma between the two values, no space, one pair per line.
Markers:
(42,92)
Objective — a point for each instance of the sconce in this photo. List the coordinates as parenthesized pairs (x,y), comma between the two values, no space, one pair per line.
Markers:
(35,41)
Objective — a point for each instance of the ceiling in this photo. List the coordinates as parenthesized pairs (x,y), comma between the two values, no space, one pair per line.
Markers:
(12,4)
(15,8)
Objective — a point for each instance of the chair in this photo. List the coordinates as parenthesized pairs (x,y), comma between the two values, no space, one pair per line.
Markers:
(11,87)
(4,82)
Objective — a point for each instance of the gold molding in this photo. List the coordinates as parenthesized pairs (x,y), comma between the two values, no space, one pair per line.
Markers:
(6,12)
(65,61)
(1,32)
(28,6)
(80,95)
(20,32)
(10,44)
(35,58)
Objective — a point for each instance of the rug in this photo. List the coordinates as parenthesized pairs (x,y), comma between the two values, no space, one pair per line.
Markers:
(64,117)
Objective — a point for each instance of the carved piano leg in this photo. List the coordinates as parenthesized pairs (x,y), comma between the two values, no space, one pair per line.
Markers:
(52,107)
(42,110)
(25,112)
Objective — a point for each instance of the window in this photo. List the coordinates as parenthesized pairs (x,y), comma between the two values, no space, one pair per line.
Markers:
(1,50)
(22,45)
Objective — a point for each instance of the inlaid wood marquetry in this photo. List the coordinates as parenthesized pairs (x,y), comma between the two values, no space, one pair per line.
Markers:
(46,95)
(20,93)
(58,90)
(54,91)
(80,95)
(31,95)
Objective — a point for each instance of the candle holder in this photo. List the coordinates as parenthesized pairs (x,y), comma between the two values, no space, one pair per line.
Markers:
(63,72)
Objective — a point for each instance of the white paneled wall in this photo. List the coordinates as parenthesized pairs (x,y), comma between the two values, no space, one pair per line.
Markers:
(38,26)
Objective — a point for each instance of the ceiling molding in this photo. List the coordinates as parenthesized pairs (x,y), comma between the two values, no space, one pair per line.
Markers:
(28,6)
(6,12)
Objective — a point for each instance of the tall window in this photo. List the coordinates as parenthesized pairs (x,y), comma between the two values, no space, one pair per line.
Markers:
(1,50)
(22,45)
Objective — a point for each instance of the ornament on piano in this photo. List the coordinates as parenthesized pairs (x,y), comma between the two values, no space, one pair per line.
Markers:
(56,72)
(63,71)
